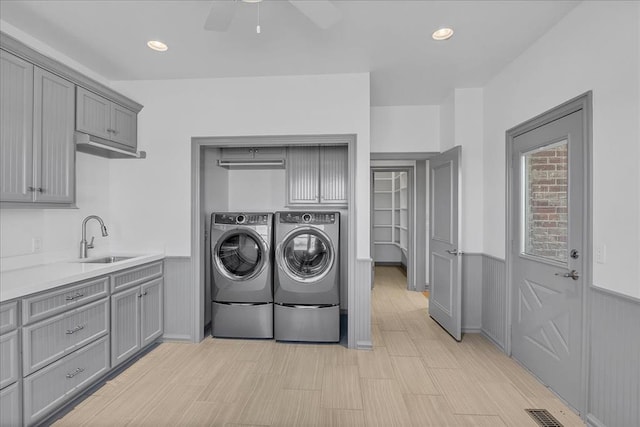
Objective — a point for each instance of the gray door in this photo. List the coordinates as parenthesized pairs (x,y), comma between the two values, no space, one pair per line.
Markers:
(445,277)
(548,252)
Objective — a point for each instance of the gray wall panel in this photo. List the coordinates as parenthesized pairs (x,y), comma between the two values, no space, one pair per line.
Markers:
(614,368)
(178,298)
(472,292)
(494,304)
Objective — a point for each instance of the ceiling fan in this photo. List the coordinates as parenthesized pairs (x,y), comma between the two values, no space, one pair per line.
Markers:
(321,12)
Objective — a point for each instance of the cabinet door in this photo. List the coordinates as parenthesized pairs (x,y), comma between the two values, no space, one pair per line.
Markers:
(16,129)
(302,175)
(9,359)
(10,406)
(125,325)
(236,153)
(124,129)
(53,145)
(333,175)
(93,114)
(151,309)
(269,153)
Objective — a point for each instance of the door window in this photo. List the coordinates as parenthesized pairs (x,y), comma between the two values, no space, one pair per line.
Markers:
(307,255)
(544,200)
(241,255)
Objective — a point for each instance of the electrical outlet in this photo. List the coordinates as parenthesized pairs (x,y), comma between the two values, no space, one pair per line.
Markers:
(601,254)
(36,244)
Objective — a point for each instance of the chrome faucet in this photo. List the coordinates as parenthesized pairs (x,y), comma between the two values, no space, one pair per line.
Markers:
(83,243)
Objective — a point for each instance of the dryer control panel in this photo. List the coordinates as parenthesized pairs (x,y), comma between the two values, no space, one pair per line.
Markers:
(242,218)
(309,217)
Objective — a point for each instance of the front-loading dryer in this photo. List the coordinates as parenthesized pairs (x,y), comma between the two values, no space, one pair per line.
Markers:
(242,275)
(307,276)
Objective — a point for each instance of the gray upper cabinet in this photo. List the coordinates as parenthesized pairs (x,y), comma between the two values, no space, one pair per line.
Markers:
(105,119)
(333,175)
(53,145)
(252,153)
(317,175)
(16,128)
(38,151)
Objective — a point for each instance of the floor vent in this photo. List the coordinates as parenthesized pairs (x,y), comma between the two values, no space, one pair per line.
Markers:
(543,418)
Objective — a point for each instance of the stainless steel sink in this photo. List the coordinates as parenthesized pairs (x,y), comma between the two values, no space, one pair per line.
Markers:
(107,259)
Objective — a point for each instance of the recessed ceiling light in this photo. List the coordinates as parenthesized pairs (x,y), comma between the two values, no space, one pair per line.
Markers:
(442,34)
(157,45)
(252,1)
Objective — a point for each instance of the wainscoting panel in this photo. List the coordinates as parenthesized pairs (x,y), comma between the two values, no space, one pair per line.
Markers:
(494,304)
(471,292)
(614,369)
(362,304)
(178,299)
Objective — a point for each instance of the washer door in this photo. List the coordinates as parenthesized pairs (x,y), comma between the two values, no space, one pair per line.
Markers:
(240,254)
(306,254)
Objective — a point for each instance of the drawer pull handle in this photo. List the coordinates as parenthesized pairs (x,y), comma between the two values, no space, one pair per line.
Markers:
(77,295)
(74,330)
(74,373)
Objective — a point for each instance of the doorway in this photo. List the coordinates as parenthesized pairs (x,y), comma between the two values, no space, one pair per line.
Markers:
(393,220)
(549,246)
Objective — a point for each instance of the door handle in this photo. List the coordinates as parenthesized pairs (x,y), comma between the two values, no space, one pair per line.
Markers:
(572,274)
(454,252)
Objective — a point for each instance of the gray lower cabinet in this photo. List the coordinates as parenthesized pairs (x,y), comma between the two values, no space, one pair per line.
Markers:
(11,406)
(72,336)
(10,392)
(53,338)
(47,389)
(136,319)
(9,364)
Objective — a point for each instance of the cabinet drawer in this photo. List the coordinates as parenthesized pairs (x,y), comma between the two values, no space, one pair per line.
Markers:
(135,276)
(44,305)
(8,359)
(8,316)
(47,389)
(49,340)
(10,408)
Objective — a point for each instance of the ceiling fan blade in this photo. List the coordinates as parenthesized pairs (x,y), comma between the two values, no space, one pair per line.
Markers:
(220,15)
(321,12)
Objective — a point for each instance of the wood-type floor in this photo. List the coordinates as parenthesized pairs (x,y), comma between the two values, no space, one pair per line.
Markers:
(416,375)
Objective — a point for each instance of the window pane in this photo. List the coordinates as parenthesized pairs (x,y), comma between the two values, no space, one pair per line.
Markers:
(545,202)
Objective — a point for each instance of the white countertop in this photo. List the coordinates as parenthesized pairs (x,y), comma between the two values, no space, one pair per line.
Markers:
(30,280)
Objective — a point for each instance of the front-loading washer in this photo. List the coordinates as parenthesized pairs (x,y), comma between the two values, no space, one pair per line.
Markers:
(307,276)
(242,275)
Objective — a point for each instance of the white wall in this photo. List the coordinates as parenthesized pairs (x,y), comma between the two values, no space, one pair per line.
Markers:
(257,190)
(59,229)
(413,128)
(151,198)
(575,56)
(448,123)
(461,124)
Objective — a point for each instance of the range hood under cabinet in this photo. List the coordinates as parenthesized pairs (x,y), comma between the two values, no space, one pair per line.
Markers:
(98,147)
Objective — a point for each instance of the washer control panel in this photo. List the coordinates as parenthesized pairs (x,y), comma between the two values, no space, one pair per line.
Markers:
(309,217)
(242,218)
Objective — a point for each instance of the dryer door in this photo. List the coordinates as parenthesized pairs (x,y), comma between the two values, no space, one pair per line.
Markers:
(306,254)
(240,254)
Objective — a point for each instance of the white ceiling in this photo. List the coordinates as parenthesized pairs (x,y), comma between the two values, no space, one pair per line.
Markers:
(389,39)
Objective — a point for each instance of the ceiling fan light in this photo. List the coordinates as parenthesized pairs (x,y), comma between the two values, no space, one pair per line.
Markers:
(442,34)
(157,45)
